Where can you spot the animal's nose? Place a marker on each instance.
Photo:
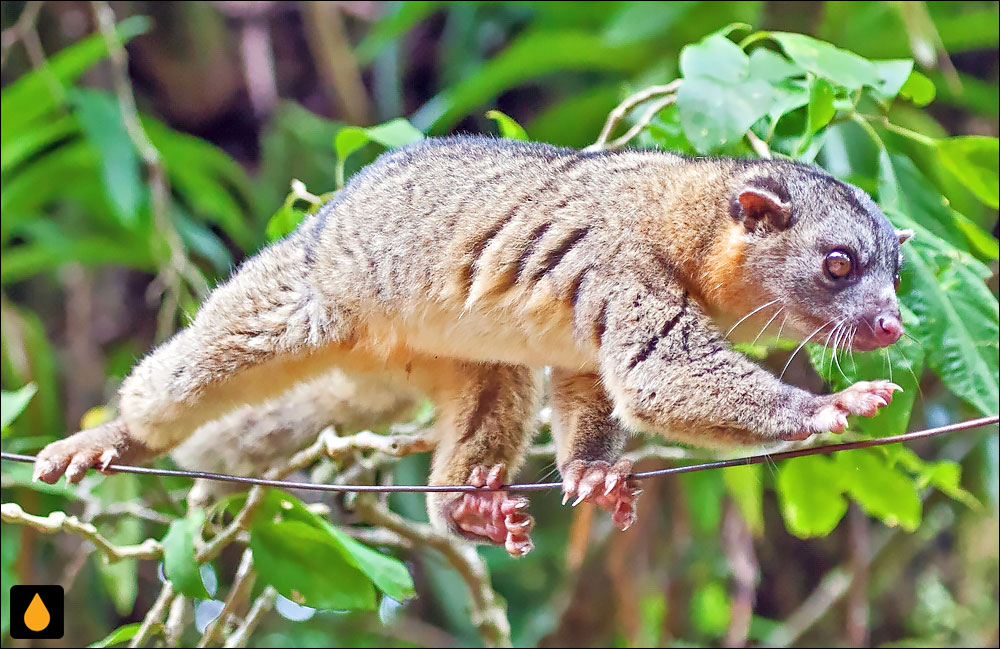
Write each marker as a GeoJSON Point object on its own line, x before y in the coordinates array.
{"type": "Point", "coordinates": [888, 328]}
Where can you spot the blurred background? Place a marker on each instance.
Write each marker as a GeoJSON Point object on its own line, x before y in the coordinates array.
{"type": "Point", "coordinates": [239, 98]}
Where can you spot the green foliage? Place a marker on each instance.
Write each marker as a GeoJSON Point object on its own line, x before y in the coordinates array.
{"type": "Point", "coordinates": [289, 542]}
{"type": "Point", "coordinates": [179, 564]}
{"type": "Point", "coordinates": [847, 97]}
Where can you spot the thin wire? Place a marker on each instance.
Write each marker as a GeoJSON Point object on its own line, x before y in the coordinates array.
{"type": "Point", "coordinates": [540, 486]}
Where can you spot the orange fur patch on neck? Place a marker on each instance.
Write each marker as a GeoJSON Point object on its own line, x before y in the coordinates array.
{"type": "Point", "coordinates": [721, 283]}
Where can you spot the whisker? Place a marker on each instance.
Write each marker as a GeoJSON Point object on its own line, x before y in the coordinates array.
{"type": "Point", "coordinates": [740, 321]}
{"type": "Point", "coordinates": [843, 334]}
{"type": "Point", "coordinates": [782, 327]}
{"type": "Point", "coordinates": [850, 349]}
{"type": "Point", "coordinates": [826, 343]}
{"type": "Point", "coordinates": [888, 362]}
{"type": "Point", "coordinates": [801, 345]}
{"type": "Point", "coordinates": [768, 324]}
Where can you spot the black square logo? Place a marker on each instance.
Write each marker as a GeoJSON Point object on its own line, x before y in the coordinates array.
{"type": "Point", "coordinates": [36, 612]}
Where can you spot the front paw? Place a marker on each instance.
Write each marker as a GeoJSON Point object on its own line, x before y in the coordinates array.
{"type": "Point", "coordinates": [492, 516]}
{"type": "Point", "coordinates": [97, 447]}
{"type": "Point", "coordinates": [604, 484]}
{"type": "Point", "coordinates": [863, 398]}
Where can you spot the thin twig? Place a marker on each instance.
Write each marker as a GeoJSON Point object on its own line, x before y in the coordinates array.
{"type": "Point", "coordinates": [489, 613]}
{"type": "Point", "coordinates": [260, 607]}
{"type": "Point", "coordinates": [179, 266]}
{"type": "Point", "coordinates": [622, 109]}
{"type": "Point", "coordinates": [23, 30]}
{"type": "Point", "coordinates": [154, 616]}
{"type": "Point", "coordinates": [63, 522]}
{"type": "Point", "coordinates": [239, 593]}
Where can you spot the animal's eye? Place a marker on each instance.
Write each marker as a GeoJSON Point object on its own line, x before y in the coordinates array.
{"type": "Point", "coordinates": [838, 264]}
{"type": "Point", "coordinates": [895, 282]}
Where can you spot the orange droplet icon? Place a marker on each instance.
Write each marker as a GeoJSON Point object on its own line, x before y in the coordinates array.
{"type": "Point", "coordinates": [36, 617]}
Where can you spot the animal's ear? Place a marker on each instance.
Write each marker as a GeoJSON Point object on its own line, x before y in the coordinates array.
{"type": "Point", "coordinates": [904, 235]}
{"type": "Point", "coordinates": [763, 203]}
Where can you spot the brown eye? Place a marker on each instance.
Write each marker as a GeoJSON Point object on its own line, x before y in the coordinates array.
{"type": "Point", "coordinates": [838, 264]}
{"type": "Point", "coordinates": [895, 282]}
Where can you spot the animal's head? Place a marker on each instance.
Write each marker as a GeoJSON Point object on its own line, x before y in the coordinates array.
{"type": "Point", "coordinates": [824, 251]}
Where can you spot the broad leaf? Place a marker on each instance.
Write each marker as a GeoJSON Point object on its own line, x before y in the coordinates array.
{"type": "Point", "coordinates": [973, 160]}
{"type": "Point", "coordinates": [179, 555]}
{"type": "Point", "coordinates": [13, 403]}
{"type": "Point", "coordinates": [810, 495]}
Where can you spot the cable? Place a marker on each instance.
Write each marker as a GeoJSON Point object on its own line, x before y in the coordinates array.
{"type": "Point", "coordinates": [540, 486]}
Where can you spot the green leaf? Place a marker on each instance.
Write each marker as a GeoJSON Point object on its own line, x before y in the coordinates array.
{"type": "Point", "coordinates": [392, 134]}
{"type": "Point", "coordinates": [903, 363]}
{"type": "Point", "coordinates": [746, 487]}
{"type": "Point", "coordinates": [120, 578]}
{"type": "Point", "coordinates": [32, 96]}
{"type": "Point", "coordinates": [389, 574]}
{"type": "Point", "coordinates": [532, 54]}
{"type": "Point", "coordinates": [711, 609]}
{"type": "Point", "coordinates": [958, 319]}
{"type": "Point", "coordinates": [821, 109]}
{"type": "Point", "coordinates": [881, 490]}
{"type": "Point", "coordinates": [946, 477]}
{"type": "Point", "coordinates": [825, 60]}
{"type": "Point", "coordinates": [772, 67]}
{"type": "Point", "coordinates": [10, 549]}
{"type": "Point", "coordinates": [703, 492]}
{"type": "Point", "coordinates": [179, 562]}
{"type": "Point", "coordinates": [810, 495]}
{"type": "Point", "coordinates": [102, 124]}
{"type": "Point", "coordinates": [918, 89]}
{"type": "Point", "coordinates": [118, 636]}
{"type": "Point", "coordinates": [902, 187]}
{"type": "Point", "coordinates": [973, 160]}
{"type": "Point", "coordinates": [284, 221]}
{"type": "Point", "coordinates": [638, 21]}
{"type": "Point", "coordinates": [715, 57]}
{"type": "Point", "coordinates": [304, 564]}
{"type": "Point", "coordinates": [715, 113]}
{"type": "Point", "coordinates": [892, 76]}
{"type": "Point", "coordinates": [392, 25]}
{"type": "Point", "coordinates": [509, 128]}
{"type": "Point", "coordinates": [13, 403]}
{"type": "Point", "coordinates": [38, 137]}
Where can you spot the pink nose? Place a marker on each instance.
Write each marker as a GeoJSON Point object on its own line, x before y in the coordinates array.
{"type": "Point", "coordinates": [888, 329]}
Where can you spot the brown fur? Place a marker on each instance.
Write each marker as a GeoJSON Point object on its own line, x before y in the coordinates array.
{"type": "Point", "coordinates": [459, 267]}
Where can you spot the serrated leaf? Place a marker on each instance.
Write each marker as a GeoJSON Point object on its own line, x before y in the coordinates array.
{"type": "Point", "coordinates": [843, 68]}
{"type": "Point", "coordinates": [882, 490]}
{"type": "Point", "coordinates": [13, 403]}
{"type": "Point", "coordinates": [973, 161]}
{"type": "Point", "coordinates": [509, 128]}
{"type": "Point", "coordinates": [958, 319]}
{"type": "Point", "coordinates": [304, 564]}
{"type": "Point", "coordinates": [810, 495]}
{"type": "Point", "coordinates": [179, 555]}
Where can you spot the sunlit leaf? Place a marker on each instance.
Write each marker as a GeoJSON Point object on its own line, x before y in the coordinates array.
{"type": "Point", "coordinates": [810, 495]}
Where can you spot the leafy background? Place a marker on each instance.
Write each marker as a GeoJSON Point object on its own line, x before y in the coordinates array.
{"type": "Point", "coordinates": [891, 546]}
